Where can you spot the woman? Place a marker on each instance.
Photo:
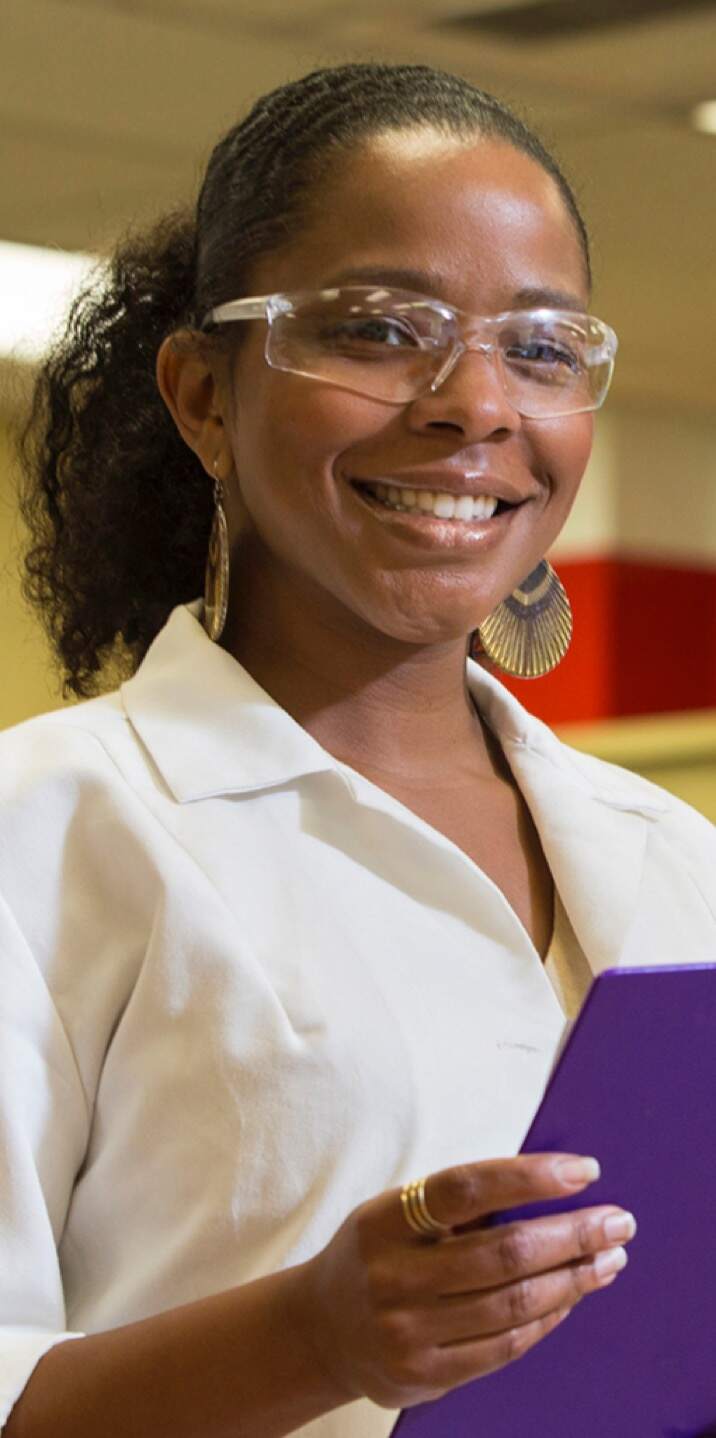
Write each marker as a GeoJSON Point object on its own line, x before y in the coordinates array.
{"type": "Point", "coordinates": [276, 909]}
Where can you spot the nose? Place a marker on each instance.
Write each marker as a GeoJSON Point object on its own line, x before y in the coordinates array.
{"type": "Point", "coordinates": [469, 393]}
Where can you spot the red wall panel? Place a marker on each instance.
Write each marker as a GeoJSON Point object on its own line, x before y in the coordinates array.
{"type": "Point", "coordinates": [644, 642]}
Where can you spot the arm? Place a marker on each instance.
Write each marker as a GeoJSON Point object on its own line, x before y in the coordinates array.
{"type": "Point", "coordinates": [238, 1362]}
{"type": "Point", "coordinates": [235, 1360]}
{"type": "Point", "coordinates": [378, 1313]}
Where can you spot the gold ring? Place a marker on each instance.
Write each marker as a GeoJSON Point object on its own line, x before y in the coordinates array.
{"type": "Point", "coordinates": [417, 1213]}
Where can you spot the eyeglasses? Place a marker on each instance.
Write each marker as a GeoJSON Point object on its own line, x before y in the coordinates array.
{"type": "Point", "coordinates": [394, 345]}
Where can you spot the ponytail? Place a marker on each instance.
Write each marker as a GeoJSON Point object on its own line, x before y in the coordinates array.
{"type": "Point", "coordinates": [118, 506]}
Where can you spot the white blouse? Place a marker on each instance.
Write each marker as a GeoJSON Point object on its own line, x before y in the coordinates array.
{"type": "Point", "coordinates": [242, 989]}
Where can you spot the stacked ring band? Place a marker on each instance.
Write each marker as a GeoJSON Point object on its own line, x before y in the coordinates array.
{"type": "Point", "coordinates": [417, 1213]}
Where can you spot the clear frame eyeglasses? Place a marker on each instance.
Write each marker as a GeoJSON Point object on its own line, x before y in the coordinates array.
{"type": "Point", "coordinates": [394, 345]}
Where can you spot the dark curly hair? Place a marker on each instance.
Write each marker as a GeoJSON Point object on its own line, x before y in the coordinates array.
{"type": "Point", "coordinates": [118, 507]}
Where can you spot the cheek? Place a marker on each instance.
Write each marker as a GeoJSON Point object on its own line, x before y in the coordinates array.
{"type": "Point", "coordinates": [318, 422]}
{"type": "Point", "coordinates": [291, 438]}
{"type": "Point", "coordinates": [562, 448]}
{"type": "Point", "coordinates": [288, 443]}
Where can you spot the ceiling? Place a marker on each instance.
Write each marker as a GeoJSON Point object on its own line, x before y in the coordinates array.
{"type": "Point", "coordinates": [109, 108]}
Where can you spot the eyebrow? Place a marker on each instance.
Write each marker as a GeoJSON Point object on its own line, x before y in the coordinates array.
{"type": "Point", "coordinates": [425, 282]}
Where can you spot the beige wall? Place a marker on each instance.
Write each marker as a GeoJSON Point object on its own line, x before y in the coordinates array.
{"type": "Point", "coordinates": [649, 490]}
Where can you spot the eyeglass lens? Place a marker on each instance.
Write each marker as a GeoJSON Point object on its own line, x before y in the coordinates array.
{"type": "Point", "coordinates": [393, 350]}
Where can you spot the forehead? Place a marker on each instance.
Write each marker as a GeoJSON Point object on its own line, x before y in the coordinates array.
{"type": "Point", "coordinates": [483, 219]}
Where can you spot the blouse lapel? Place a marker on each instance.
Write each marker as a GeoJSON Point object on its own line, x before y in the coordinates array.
{"type": "Point", "coordinates": [593, 821]}
{"type": "Point", "coordinates": [595, 850]}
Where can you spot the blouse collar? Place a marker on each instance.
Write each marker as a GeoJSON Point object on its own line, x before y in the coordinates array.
{"type": "Point", "coordinates": [211, 729]}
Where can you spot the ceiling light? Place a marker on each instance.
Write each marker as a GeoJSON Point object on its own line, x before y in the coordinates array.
{"type": "Point", "coordinates": [703, 117]}
{"type": "Point", "coordinates": [36, 288]}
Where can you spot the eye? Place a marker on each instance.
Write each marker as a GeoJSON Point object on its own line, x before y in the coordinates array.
{"type": "Point", "coordinates": [379, 331]}
{"type": "Point", "coordinates": [544, 352]}
{"type": "Point", "coordinates": [551, 351]}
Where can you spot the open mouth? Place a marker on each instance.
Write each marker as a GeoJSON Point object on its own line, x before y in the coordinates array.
{"type": "Point", "coordinates": [432, 504]}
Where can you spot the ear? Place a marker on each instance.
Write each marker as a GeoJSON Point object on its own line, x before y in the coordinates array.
{"type": "Point", "coordinates": [192, 393]}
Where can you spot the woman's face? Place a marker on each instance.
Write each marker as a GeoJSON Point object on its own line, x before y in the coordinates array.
{"type": "Point", "coordinates": [489, 231]}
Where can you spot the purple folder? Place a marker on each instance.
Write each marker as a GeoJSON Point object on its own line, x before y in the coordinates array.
{"type": "Point", "coordinates": [635, 1086]}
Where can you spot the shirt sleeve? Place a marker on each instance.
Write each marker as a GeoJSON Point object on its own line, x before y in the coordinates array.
{"type": "Point", "coordinates": [44, 1126]}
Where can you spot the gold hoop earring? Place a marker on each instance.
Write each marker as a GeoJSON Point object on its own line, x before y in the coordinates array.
{"type": "Point", "coordinates": [216, 581]}
{"type": "Point", "coordinates": [530, 632]}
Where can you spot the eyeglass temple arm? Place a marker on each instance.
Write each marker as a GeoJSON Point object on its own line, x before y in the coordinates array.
{"type": "Point", "coordinates": [249, 309]}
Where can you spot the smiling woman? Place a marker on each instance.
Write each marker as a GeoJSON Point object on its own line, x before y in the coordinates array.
{"type": "Point", "coordinates": [299, 911]}
{"type": "Point", "coordinates": [282, 170]}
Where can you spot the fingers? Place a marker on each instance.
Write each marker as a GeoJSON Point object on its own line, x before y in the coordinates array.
{"type": "Point", "coordinates": [525, 1302]}
{"type": "Point", "coordinates": [430, 1313]}
{"type": "Point", "coordinates": [467, 1193]}
{"type": "Point", "coordinates": [448, 1367]}
{"type": "Point", "coordinates": [472, 1299]}
{"type": "Point", "coordinates": [508, 1253]}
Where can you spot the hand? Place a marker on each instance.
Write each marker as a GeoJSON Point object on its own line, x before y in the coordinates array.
{"type": "Point", "coordinates": [400, 1319]}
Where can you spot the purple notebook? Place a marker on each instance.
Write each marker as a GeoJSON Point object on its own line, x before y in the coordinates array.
{"type": "Point", "coordinates": [635, 1086]}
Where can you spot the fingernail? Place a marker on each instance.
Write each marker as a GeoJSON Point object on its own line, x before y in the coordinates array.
{"type": "Point", "coordinates": [608, 1263]}
{"type": "Point", "coordinates": [573, 1172]}
{"type": "Point", "coordinates": [619, 1226]}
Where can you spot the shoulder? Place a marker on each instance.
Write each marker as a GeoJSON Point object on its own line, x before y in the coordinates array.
{"type": "Point", "coordinates": [68, 754]}
{"type": "Point", "coordinates": [73, 819]}
{"type": "Point", "coordinates": [83, 864]}
{"type": "Point", "coordinates": [621, 788]}
{"type": "Point", "coordinates": [625, 787]}
{"type": "Point", "coordinates": [681, 840]}
{"type": "Point", "coordinates": [573, 787]}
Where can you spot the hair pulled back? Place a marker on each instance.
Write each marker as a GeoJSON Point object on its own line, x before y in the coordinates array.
{"type": "Point", "coordinates": [118, 507]}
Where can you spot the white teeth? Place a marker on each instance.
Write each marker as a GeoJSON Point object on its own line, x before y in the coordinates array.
{"type": "Point", "coordinates": [464, 507]}
{"type": "Point", "coordinates": [428, 501]}
{"type": "Point", "coordinates": [444, 506]}
{"type": "Point", "coordinates": [483, 507]}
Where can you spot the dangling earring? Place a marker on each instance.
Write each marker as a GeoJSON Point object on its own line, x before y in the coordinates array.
{"type": "Point", "coordinates": [216, 583]}
{"type": "Point", "coordinates": [529, 633]}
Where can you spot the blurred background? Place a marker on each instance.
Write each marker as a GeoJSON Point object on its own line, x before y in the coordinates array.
{"type": "Point", "coordinates": [108, 111]}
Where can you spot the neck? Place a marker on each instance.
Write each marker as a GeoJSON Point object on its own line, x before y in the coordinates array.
{"type": "Point", "coordinates": [384, 707]}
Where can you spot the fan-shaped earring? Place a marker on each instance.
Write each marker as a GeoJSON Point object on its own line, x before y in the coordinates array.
{"type": "Point", "coordinates": [530, 632]}
{"type": "Point", "coordinates": [216, 582]}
